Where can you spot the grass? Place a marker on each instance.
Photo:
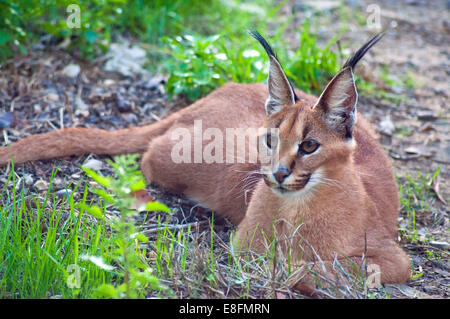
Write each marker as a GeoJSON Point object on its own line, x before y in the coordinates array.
{"type": "Point", "coordinates": [64, 247]}
{"type": "Point", "coordinates": [415, 194]}
{"type": "Point", "coordinates": [63, 238]}
{"type": "Point", "coordinates": [101, 21]}
{"type": "Point", "coordinates": [200, 44]}
{"type": "Point", "coordinates": [41, 236]}
{"type": "Point", "coordinates": [47, 241]}
{"type": "Point", "coordinates": [91, 245]}
{"type": "Point", "coordinates": [201, 64]}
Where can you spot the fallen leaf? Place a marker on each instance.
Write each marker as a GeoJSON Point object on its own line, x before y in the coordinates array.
{"type": "Point", "coordinates": [435, 187]}
{"type": "Point", "coordinates": [281, 295]}
{"type": "Point", "coordinates": [142, 198]}
{"type": "Point", "coordinates": [93, 164]}
{"type": "Point", "coordinates": [41, 185]}
{"type": "Point", "coordinates": [427, 127]}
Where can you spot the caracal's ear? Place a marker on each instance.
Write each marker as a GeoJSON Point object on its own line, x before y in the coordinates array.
{"type": "Point", "coordinates": [337, 103]}
{"type": "Point", "coordinates": [281, 92]}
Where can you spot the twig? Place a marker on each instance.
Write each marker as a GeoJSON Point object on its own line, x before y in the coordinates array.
{"type": "Point", "coordinates": [5, 137]}
{"type": "Point", "coordinates": [67, 106]}
{"type": "Point", "coordinates": [51, 124]}
{"type": "Point", "coordinates": [61, 117]}
{"type": "Point", "coordinates": [171, 227]}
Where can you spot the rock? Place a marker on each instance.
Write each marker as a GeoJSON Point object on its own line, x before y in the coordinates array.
{"type": "Point", "coordinates": [126, 60]}
{"type": "Point", "coordinates": [57, 181]}
{"type": "Point", "coordinates": [386, 126]}
{"type": "Point", "coordinates": [440, 244]}
{"type": "Point", "coordinates": [443, 154]}
{"type": "Point", "coordinates": [28, 179]}
{"type": "Point", "coordinates": [412, 150]}
{"type": "Point", "coordinates": [426, 116]}
{"type": "Point", "coordinates": [81, 108]}
{"type": "Point", "coordinates": [154, 82]}
{"type": "Point", "coordinates": [52, 97]}
{"type": "Point", "coordinates": [71, 70]}
{"type": "Point", "coordinates": [108, 82]}
{"type": "Point", "coordinates": [420, 150]}
{"type": "Point", "coordinates": [93, 164]}
{"type": "Point", "coordinates": [63, 193]}
{"type": "Point", "coordinates": [37, 108]}
{"type": "Point", "coordinates": [394, 289]}
{"type": "Point", "coordinates": [41, 185]}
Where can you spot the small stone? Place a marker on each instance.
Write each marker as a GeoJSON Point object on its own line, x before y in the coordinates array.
{"type": "Point", "coordinates": [94, 184]}
{"type": "Point", "coordinates": [41, 185]}
{"type": "Point", "coordinates": [387, 126]}
{"type": "Point", "coordinates": [109, 82]}
{"type": "Point", "coordinates": [426, 116]}
{"type": "Point", "coordinates": [28, 179]}
{"type": "Point", "coordinates": [52, 97]}
{"type": "Point", "coordinates": [93, 164]}
{"type": "Point", "coordinates": [81, 108]}
{"type": "Point", "coordinates": [125, 59]}
{"type": "Point", "coordinates": [412, 150]}
{"type": "Point", "coordinates": [440, 244]}
{"type": "Point", "coordinates": [37, 108]}
{"type": "Point", "coordinates": [57, 181]}
{"type": "Point", "coordinates": [63, 193]}
{"type": "Point", "coordinates": [71, 70]}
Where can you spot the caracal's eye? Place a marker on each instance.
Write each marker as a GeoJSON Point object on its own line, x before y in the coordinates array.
{"type": "Point", "coordinates": [308, 146]}
{"type": "Point", "coordinates": [271, 141]}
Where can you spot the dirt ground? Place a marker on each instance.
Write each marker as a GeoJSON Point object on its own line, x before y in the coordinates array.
{"type": "Point", "coordinates": [412, 120]}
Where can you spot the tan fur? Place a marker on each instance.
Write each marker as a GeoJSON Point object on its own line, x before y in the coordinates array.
{"type": "Point", "coordinates": [349, 206]}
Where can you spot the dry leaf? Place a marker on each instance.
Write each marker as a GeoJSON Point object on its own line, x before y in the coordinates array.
{"type": "Point", "coordinates": [435, 187]}
{"type": "Point", "coordinates": [142, 197]}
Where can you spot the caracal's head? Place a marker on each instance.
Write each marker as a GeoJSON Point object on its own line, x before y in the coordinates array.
{"type": "Point", "coordinates": [307, 143]}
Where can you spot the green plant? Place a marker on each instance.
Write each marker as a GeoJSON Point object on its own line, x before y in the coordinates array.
{"type": "Point", "coordinates": [41, 240]}
{"type": "Point", "coordinates": [311, 67]}
{"type": "Point", "coordinates": [134, 274]}
{"type": "Point", "coordinates": [12, 20]}
{"type": "Point", "coordinates": [413, 199]}
{"type": "Point", "coordinates": [201, 64]}
{"type": "Point", "coordinates": [22, 22]}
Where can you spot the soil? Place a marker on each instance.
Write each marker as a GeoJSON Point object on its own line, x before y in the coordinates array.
{"type": "Point", "coordinates": [412, 120]}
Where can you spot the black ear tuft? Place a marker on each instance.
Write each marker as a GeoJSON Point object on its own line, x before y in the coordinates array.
{"type": "Point", "coordinates": [281, 92]}
{"type": "Point", "coordinates": [337, 103]}
{"type": "Point", "coordinates": [362, 51]}
{"type": "Point", "coordinates": [263, 42]}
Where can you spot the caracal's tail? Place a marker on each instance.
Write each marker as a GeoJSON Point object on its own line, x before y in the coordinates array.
{"type": "Point", "coordinates": [78, 141]}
